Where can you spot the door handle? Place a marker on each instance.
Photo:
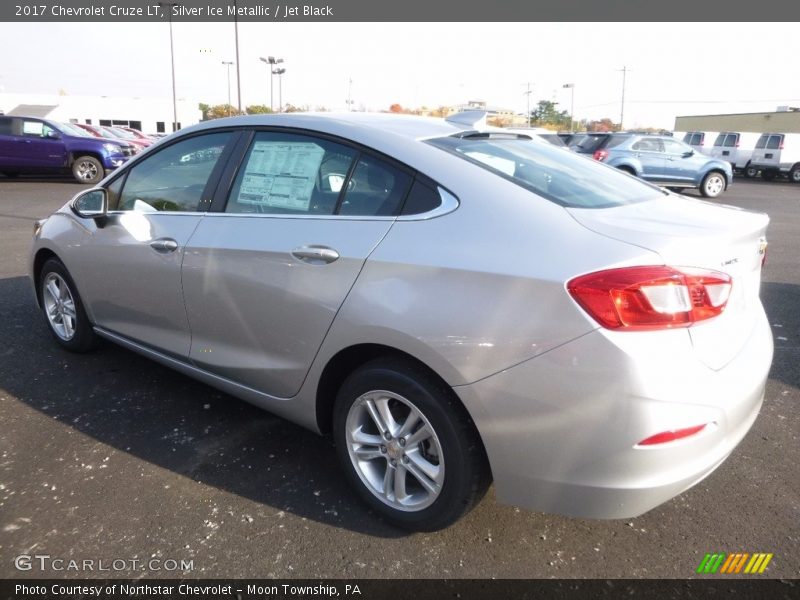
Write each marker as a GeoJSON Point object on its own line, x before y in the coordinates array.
{"type": "Point", "coordinates": [164, 245]}
{"type": "Point", "coordinates": [315, 255]}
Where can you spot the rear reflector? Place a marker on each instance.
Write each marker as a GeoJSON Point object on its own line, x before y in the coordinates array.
{"type": "Point", "coordinates": [670, 436]}
{"type": "Point", "coordinates": [654, 297]}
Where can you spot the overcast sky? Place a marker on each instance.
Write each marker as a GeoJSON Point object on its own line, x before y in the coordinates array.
{"type": "Point", "coordinates": [675, 68]}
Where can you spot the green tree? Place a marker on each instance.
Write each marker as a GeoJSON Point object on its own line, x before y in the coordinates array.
{"type": "Point", "coordinates": [204, 109]}
{"type": "Point", "coordinates": [222, 110]}
{"type": "Point", "coordinates": [258, 109]}
{"type": "Point", "coordinates": [546, 114]}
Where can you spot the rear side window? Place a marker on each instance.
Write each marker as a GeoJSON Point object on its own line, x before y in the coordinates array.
{"type": "Point", "coordinates": [762, 142]}
{"type": "Point", "coordinates": [421, 199]}
{"type": "Point", "coordinates": [647, 145]}
{"type": "Point", "coordinates": [374, 189]}
{"type": "Point", "coordinates": [558, 176]}
{"type": "Point", "coordinates": [5, 126]}
{"type": "Point", "coordinates": [290, 174]}
{"type": "Point", "coordinates": [774, 142]}
{"type": "Point", "coordinates": [174, 178]}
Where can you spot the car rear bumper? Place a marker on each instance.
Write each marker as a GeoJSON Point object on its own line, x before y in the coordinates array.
{"type": "Point", "coordinates": [561, 430]}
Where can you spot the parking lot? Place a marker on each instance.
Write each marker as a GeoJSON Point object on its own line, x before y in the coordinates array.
{"type": "Point", "coordinates": [111, 456]}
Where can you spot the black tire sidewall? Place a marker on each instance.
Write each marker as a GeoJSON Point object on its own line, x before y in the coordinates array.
{"type": "Point", "coordinates": [98, 164]}
{"type": "Point", "coordinates": [436, 404]}
{"type": "Point", "coordinates": [84, 339]}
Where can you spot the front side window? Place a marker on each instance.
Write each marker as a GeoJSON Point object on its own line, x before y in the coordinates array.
{"type": "Point", "coordinates": [730, 141]}
{"type": "Point", "coordinates": [560, 177]}
{"type": "Point", "coordinates": [720, 141]}
{"type": "Point", "coordinates": [774, 142]}
{"type": "Point", "coordinates": [175, 178]}
{"type": "Point", "coordinates": [762, 142]}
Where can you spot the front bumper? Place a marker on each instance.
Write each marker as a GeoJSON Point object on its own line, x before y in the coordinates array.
{"type": "Point", "coordinates": [114, 161]}
{"type": "Point", "coordinates": [561, 430]}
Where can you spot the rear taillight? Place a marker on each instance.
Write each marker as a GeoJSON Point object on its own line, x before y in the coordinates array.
{"type": "Point", "coordinates": [653, 297]}
{"type": "Point", "coordinates": [671, 436]}
{"type": "Point", "coordinates": [600, 155]}
{"type": "Point", "coordinates": [781, 146]}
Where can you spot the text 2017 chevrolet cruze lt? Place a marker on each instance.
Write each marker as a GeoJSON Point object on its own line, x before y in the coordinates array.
{"type": "Point", "coordinates": [454, 304]}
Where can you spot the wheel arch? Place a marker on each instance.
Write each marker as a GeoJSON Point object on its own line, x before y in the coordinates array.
{"type": "Point", "coordinates": [42, 256]}
{"type": "Point", "coordinates": [76, 154]}
{"type": "Point", "coordinates": [347, 360]}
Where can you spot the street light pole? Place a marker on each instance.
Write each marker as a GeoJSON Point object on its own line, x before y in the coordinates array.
{"type": "Point", "coordinates": [279, 73]}
{"type": "Point", "coordinates": [625, 71]}
{"type": "Point", "coordinates": [528, 94]}
{"type": "Point", "coordinates": [350, 95]}
{"type": "Point", "coordinates": [571, 87]}
{"type": "Point", "coordinates": [168, 6]}
{"type": "Point", "coordinates": [271, 61]}
{"type": "Point", "coordinates": [228, 64]}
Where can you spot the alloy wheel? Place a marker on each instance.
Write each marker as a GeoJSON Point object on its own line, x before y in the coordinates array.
{"type": "Point", "coordinates": [59, 306]}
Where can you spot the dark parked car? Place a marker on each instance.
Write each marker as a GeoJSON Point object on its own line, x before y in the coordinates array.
{"type": "Point", "coordinates": [665, 161]}
{"type": "Point", "coordinates": [32, 145]}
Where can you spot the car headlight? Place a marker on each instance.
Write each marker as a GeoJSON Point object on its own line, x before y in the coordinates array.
{"type": "Point", "coordinates": [114, 148]}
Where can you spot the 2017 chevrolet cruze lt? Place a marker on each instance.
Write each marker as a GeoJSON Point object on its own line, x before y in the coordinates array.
{"type": "Point", "coordinates": [454, 303]}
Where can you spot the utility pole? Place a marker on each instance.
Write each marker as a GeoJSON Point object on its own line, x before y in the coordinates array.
{"type": "Point", "coordinates": [528, 94]}
{"type": "Point", "coordinates": [168, 6]}
{"type": "Point", "coordinates": [571, 87]}
{"type": "Point", "coordinates": [625, 70]}
{"type": "Point", "coordinates": [238, 74]}
{"type": "Point", "coordinates": [350, 95]}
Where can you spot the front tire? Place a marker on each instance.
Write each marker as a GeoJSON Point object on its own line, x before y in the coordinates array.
{"type": "Point", "coordinates": [794, 174]}
{"type": "Point", "coordinates": [63, 308]}
{"type": "Point", "coordinates": [713, 184]}
{"type": "Point", "coordinates": [87, 169]}
{"type": "Point", "coordinates": [407, 446]}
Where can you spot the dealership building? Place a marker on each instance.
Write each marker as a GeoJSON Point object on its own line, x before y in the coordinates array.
{"type": "Point", "coordinates": [786, 119]}
{"type": "Point", "coordinates": [150, 115]}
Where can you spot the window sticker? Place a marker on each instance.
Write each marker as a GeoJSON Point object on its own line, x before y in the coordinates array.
{"type": "Point", "coordinates": [281, 174]}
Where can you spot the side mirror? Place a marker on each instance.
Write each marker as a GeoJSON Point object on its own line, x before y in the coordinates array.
{"type": "Point", "coordinates": [91, 204]}
{"type": "Point", "coordinates": [688, 153]}
{"type": "Point", "coordinates": [52, 135]}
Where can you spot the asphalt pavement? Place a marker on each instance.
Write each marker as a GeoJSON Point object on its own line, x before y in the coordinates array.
{"type": "Point", "coordinates": [109, 456]}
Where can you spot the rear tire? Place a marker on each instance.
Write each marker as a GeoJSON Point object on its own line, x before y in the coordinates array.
{"type": "Point", "coordinates": [63, 308]}
{"type": "Point", "coordinates": [628, 170]}
{"type": "Point", "coordinates": [87, 169]}
{"type": "Point", "coordinates": [794, 174]}
{"type": "Point", "coordinates": [420, 462]}
{"type": "Point", "coordinates": [713, 184]}
{"type": "Point", "coordinates": [750, 172]}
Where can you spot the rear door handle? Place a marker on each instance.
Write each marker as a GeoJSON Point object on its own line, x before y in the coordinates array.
{"type": "Point", "coordinates": [164, 245]}
{"type": "Point", "coordinates": [315, 255]}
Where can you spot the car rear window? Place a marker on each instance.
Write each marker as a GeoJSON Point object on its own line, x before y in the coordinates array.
{"type": "Point", "coordinates": [556, 175]}
{"type": "Point", "coordinates": [720, 140]}
{"type": "Point", "coordinates": [731, 140]}
{"type": "Point", "coordinates": [588, 143]}
{"type": "Point", "coordinates": [762, 141]}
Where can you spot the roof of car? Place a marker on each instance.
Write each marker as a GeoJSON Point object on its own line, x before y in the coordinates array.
{"type": "Point", "coordinates": [343, 123]}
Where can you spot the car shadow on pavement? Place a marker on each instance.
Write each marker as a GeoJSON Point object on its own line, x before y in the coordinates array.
{"type": "Point", "coordinates": [781, 302]}
{"type": "Point", "coordinates": [157, 415]}
{"type": "Point", "coordinates": [40, 178]}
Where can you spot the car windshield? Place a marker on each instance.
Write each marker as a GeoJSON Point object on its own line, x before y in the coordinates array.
{"type": "Point", "coordinates": [123, 134]}
{"type": "Point", "coordinates": [556, 175]}
{"type": "Point", "coordinates": [71, 129]}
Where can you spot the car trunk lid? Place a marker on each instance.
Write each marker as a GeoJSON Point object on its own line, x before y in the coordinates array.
{"type": "Point", "coordinates": [694, 233]}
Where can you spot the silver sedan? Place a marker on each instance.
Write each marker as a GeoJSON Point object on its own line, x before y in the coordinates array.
{"type": "Point", "coordinates": [453, 303]}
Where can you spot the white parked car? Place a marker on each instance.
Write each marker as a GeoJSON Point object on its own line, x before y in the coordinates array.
{"type": "Point", "coordinates": [700, 141]}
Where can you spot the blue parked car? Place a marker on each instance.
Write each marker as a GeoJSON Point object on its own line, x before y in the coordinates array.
{"type": "Point", "coordinates": [32, 145]}
{"type": "Point", "coordinates": [667, 162]}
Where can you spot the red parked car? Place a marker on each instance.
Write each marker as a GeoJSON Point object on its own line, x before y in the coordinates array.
{"type": "Point", "coordinates": [108, 133]}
